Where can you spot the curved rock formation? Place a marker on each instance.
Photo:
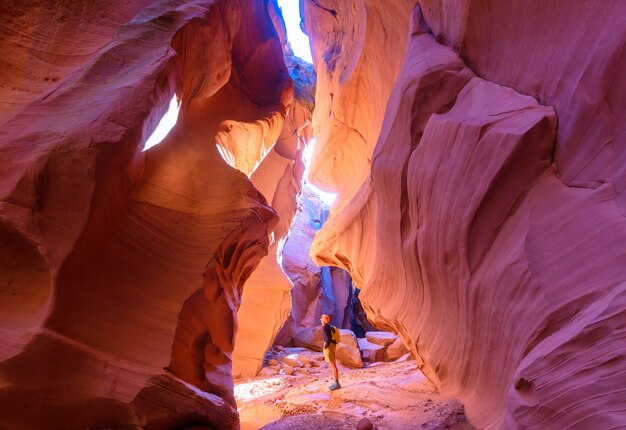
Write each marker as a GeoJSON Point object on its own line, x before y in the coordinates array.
{"type": "Point", "coordinates": [492, 241]}
{"type": "Point", "coordinates": [103, 246]}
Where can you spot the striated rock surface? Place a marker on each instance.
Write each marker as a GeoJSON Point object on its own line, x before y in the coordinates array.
{"type": "Point", "coordinates": [342, 294]}
{"type": "Point", "coordinates": [117, 263]}
{"type": "Point", "coordinates": [492, 241]}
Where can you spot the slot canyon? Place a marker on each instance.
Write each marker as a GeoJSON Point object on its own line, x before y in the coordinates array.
{"type": "Point", "coordinates": [473, 258]}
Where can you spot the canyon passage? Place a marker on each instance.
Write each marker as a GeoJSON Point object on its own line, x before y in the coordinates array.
{"type": "Point", "coordinates": [184, 191]}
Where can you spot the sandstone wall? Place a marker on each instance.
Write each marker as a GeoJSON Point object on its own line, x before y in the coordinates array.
{"type": "Point", "coordinates": [106, 317]}
{"type": "Point", "coordinates": [492, 240]}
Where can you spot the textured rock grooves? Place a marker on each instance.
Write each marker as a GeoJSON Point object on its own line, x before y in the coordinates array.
{"type": "Point", "coordinates": [501, 265]}
{"type": "Point", "coordinates": [103, 245]}
{"type": "Point", "coordinates": [491, 240]}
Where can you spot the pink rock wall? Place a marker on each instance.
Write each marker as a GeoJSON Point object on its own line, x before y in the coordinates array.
{"type": "Point", "coordinates": [121, 270]}
{"type": "Point", "coordinates": [490, 239]}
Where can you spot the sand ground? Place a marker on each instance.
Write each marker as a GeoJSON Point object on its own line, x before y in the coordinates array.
{"type": "Point", "coordinates": [393, 396]}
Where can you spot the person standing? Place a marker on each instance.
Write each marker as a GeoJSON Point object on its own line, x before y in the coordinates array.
{"type": "Point", "coordinates": [331, 334]}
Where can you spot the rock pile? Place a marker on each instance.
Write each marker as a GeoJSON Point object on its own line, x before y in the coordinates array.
{"type": "Point", "coordinates": [380, 346]}
{"type": "Point", "coordinates": [293, 362]}
{"type": "Point", "coordinates": [377, 346]}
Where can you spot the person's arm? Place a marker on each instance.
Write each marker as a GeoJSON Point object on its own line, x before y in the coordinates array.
{"type": "Point", "coordinates": [327, 335]}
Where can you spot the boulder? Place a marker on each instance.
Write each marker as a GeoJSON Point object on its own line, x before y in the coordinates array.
{"type": "Point", "coordinates": [383, 338]}
{"type": "Point", "coordinates": [396, 350]}
{"type": "Point", "coordinates": [406, 357]}
{"type": "Point", "coordinates": [372, 352]}
{"type": "Point", "coordinates": [310, 338]}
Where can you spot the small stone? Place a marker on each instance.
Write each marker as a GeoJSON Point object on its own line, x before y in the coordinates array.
{"type": "Point", "coordinates": [364, 424]}
{"type": "Point", "coordinates": [266, 371]}
{"type": "Point", "coordinates": [272, 361]}
{"type": "Point", "coordinates": [291, 360]}
{"type": "Point", "coordinates": [288, 370]}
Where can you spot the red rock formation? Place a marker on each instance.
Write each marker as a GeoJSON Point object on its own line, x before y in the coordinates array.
{"type": "Point", "coordinates": [490, 240]}
{"type": "Point", "coordinates": [103, 246]}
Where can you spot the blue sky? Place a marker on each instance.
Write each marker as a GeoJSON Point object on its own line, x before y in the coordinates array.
{"type": "Point", "coordinates": [298, 40]}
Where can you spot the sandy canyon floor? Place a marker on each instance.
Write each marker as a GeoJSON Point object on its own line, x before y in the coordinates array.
{"type": "Point", "coordinates": [391, 395]}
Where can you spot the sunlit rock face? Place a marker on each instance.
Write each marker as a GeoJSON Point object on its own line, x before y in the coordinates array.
{"type": "Point", "coordinates": [491, 240]}
{"type": "Point", "coordinates": [266, 299]}
{"type": "Point", "coordinates": [357, 49]}
{"type": "Point", "coordinates": [121, 271]}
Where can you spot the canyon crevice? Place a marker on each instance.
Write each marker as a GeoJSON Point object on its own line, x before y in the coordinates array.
{"type": "Point", "coordinates": [478, 150]}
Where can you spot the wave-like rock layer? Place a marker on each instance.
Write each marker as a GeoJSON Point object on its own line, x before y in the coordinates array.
{"type": "Point", "coordinates": [121, 271]}
{"type": "Point", "coordinates": [490, 238]}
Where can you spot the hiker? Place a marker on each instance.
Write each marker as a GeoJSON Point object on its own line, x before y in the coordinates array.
{"type": "Point", "coordinates": [331, 338]}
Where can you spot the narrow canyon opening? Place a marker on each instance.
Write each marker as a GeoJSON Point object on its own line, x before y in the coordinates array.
{"type": "Point", "coordinates": [188, 186]}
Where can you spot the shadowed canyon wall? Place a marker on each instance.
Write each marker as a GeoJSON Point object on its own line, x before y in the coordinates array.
{"type": "Point", "coordinates": [492, 240]}
{"type": "Point", "coordinates": [121, 270]}
{"type": "Point", "coordinates": [316, 290]}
